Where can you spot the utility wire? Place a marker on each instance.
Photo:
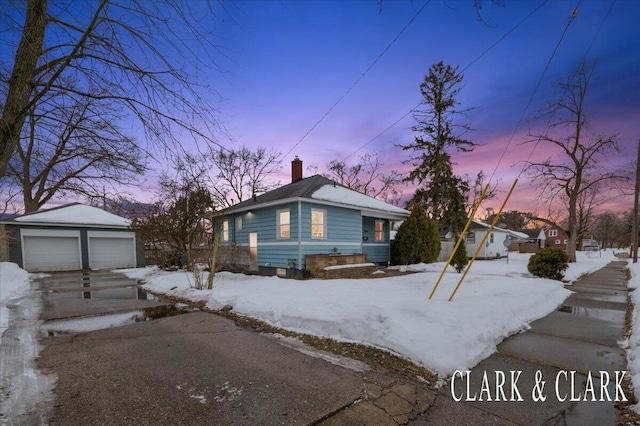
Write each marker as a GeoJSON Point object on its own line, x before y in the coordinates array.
{"type": "Point", "coordinates": [464, 69]}
{"type": "Point", "coordinates": [535, 90]}
{"type": "Point", "coordinates": [386, 49]}
{"type": "Point", "coordinates": [582, 62]}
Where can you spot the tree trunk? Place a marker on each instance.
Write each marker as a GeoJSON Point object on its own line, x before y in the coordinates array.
{"type": "Point", "coordinates": [20, 82]}
{"type": "Point", "coordinates": [573, 230]}
{"type": "Point", "coordinates": [214, 258]}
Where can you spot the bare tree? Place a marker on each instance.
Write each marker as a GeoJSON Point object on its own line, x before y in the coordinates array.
{"type": "Point", "coordinates": [72, 145]}
{"type": "Point", "coordinates": [366, 176]}
{"type": "Point", "coordinates": [578, 168]}
{"type": "Point", "coordinates": [131, 52]}
{"type": "Point", "coordinates": [179, 220]}
{"type": "Point", "coordinates": [242, 173]}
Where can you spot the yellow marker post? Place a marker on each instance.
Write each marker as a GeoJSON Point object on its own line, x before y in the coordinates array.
{"type": "Point", "coordinates": [460, 238]}
{"type": "Point", "coordinates": [484, 239]}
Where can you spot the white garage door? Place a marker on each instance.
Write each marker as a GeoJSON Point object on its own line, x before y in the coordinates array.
{"type": "Point", "coordinates": [50, 250]}
{"type": "Point", "coordinates": [111, 249]}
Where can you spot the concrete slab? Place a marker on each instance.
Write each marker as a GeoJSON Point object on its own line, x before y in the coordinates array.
{"type": "Point", "coordinates": [189, 369]}
{"type": "Point", "coordinates": [619, 292]}
{"type": "Point", "coordinates": [601, 297]}
{"type": "Point", "coordinates": [585, 328]}
{"type": "Point", "coordinates": [593, 303]}
{"type": "Point", "coordinates": [608, 315]}
{"type": "Point", "coordinates": [567, 354]}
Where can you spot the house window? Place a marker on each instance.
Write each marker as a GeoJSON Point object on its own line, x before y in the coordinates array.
{"type": "Point", "coordinates": [491, 238]}
{"type": "Point", "coordinates": [379, 230]}
{"type": "Point", "coordinates": [557, 242]}
{"type": "Point", "coordinates": [565, 242]}
{"type": "Point", "coordinates": [284, 224]}
{"type": "Point", "coordinates": [471, 237]}
{"type": "Point", "coordinates": [553, 233]}
{"type": "Point", "coordinates": [318, 223]}
{"type": "Point", "coordinates": [225, 230]}
{"type": "Point", "coordinates": [239, 223]}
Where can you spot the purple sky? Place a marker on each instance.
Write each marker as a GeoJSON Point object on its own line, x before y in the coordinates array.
{"type": "Point", "coordinates": [288, 62]}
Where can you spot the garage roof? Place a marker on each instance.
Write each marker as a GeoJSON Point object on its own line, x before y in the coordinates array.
{"type": "Point", "coordinates": [73, 214]}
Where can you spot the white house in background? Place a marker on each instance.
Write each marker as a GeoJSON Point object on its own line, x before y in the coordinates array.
{"type": "Point", "coordinates": [495, 245]}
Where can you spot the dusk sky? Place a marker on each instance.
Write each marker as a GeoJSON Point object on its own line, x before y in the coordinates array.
{"type": "Point", "coordinates": [288, 62]}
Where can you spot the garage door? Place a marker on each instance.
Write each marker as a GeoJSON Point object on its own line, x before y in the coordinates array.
{"type": "Point", "coordinates": [111, 250]}
{"type": "Point", "coordinates": [51, 250]}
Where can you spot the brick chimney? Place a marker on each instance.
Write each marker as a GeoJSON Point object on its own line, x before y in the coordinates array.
{"type": "Point", "coordinates": [296, 170]}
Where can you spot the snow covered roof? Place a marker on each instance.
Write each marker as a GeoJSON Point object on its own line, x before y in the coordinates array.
{"type": "Point", "coordinates": [324, 190]}
{"type": "Point", "coordinates": [481, 225]}
{"type": "Point", "coordinates": [74, 214]}
{"type": "Point", "coordinates": [342, 195]}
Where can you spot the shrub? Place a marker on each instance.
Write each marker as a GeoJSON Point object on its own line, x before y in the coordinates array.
{"type": "Point", "coordinates": [550, 262]}
{"type": "Point", "coordinates": [460, 258]}
{"type": "Point", "coordinates": [417, 239]}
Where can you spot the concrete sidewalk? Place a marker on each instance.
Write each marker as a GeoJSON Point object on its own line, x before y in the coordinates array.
{"type": "Point", "coordinates": [570, 358]}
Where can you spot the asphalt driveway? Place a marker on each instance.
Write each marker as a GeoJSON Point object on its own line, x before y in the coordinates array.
{"type": "Point", "coordinates": [195, 367]}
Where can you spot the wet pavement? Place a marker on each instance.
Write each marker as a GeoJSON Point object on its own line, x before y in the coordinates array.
{"type": "Point", "coordinates": [563, 371]}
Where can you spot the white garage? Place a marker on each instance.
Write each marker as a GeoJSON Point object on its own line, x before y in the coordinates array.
{"type": "Point", "coordinates": [51, 250]}
{"type": "Point", "coordinates": [111, 249]}
{"type": "Point", "coordinates": [72, 237]}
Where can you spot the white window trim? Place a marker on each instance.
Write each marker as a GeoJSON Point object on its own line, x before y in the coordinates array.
{"type": "Point", "coordinates": [553, 232]}
{"type": "Point", "coordinates": [324, 224]}
{"type": "Point", "coordinates": [557, 242]}
{"type": "Point", "coordinates": [278, 224]}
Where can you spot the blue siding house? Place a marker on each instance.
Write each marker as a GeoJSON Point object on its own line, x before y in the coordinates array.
{"type": "Point", "coordinates": [313, 215]}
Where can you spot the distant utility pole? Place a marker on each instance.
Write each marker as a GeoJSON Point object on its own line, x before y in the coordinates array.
{"type": "Point", "coordinates": [634, 228]}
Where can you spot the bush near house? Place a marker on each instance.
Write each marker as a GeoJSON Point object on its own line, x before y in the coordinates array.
{"type": "Point", "coordinates": [417, 240]}
{"type": "Point", "coordinates": [550, 262]}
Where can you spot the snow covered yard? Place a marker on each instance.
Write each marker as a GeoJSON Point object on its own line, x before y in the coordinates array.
{"type": "Point", "coordinates": [498, 298]}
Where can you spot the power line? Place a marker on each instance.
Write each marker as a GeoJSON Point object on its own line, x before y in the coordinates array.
{"type": "Point", "coordinates": [535, 90]}
{"type": "Point", "coordinates": [358, 79]}
{"type": "Point", "coordinates": [582, 62]}
{"type": "Point", "coordinates": [464, 69]}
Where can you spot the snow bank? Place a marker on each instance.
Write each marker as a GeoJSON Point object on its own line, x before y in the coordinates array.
{"type": "Point", "coordinates": [14, 283]}
{"type": "Point", "coordinates": [633, 344]}
{"type": "Point", "coordinates": [496, 300]}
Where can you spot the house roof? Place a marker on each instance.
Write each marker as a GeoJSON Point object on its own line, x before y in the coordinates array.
{"type": "Point", "coordinates": [532, 233]}
{"type": "Point", "coordinates": [72, 214]}
{"type": "Point", "coordinates": [476, 224]}
{"type": "Point", "coordinates": [325, 191]}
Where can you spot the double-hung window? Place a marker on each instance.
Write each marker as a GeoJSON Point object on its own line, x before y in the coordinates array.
{"type": "Point", "coordinates": [318, 223]}
{"type": "Point", "coordinates": [284, 224]}
{"type": "Point", "coordinates": [225, 230]}
{"type": "Point", "coordinates": [379, 230]}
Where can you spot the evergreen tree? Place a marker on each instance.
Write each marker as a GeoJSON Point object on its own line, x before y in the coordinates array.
{"type": "Point", "coordinates": [441, 192]}
{"type": "Point", "coordinates": [460, 258]}
{"type": "Point", "coordinates": [417, 239]}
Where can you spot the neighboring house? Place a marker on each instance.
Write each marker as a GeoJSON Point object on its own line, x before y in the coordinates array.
{"type": "Point", "coordinates": [555, 237]}
{"type": "Point", "coordinates": [314, 215]}
{"type": "Point", "coordinates": [72, 237]}
{"type": "Point", "coordinates": [494, 246]}
{"type": "Point", "coordinates": [531, 241]}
